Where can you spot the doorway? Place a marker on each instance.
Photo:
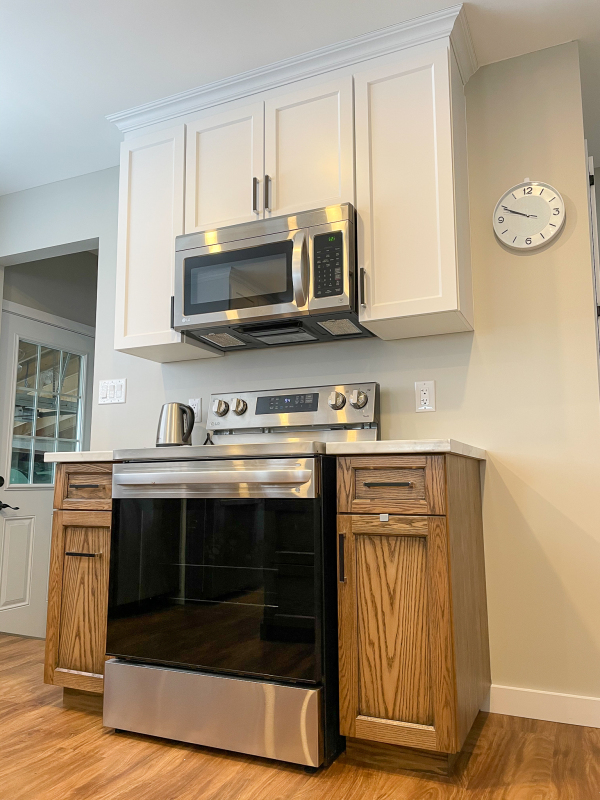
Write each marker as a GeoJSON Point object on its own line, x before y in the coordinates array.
{"type": "Point", "coordinates": [46, 369]}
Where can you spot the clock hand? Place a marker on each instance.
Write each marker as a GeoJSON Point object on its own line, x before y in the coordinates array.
{"type": "Point", "coordinates": [520, 213]}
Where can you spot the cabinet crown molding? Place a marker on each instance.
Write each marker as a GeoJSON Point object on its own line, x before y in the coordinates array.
{"type": "Point", "coordinates": [449, 22]}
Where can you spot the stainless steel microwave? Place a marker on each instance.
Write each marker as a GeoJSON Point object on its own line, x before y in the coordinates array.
{"type": "Point", "coordinates": [284, 280]}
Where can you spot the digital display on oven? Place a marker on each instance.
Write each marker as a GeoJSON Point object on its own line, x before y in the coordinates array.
{"type": "Point", "coordinates": [287, 403]}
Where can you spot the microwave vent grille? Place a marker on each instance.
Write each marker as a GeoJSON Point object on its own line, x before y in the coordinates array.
{"type": "Point", "coordinates": [223, 340]}
{"type": "Point", "coordinates": [340, 327]}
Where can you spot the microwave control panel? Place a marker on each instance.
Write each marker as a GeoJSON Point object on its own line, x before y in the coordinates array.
{"type": "Point", "coordinates": [328, 261]}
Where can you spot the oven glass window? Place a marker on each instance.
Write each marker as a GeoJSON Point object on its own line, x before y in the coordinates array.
{"type": "Point", "coordinates": [246, 278]}
{"type": "Point", "coordinates": [226, 585]}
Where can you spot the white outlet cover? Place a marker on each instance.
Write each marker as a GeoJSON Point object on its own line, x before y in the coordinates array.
{"type": "Point", "coordinates": [425, 395]}
{"type": "Point", "coordinates": [196, 404]}
{"type": "Point", "coordinates": [113, 391]}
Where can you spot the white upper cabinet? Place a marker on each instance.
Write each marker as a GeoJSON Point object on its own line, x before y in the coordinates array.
{"type": "Point", "coordinates": [224, 168]}
{"type": "Point", "coordinates": [410, 158]}
{"type": "Point", "coordinates": [150, 217]}
{"type": "Point", "coordinates": [309, 147]}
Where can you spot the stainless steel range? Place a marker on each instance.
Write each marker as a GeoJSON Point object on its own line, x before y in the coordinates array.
{"type": "Point", "coordinates": [222, 611]}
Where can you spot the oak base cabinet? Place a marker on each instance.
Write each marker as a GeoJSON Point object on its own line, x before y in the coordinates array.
{"type": "Point", "coordinates": [413, 642]}
{"type": "Point", "coordinates": [78, 582]}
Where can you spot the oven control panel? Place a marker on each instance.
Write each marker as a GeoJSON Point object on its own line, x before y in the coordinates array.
{"type": "Point", "coordinates": [334, 406]}
{"type": "Point", "coordinates": [328, 260]}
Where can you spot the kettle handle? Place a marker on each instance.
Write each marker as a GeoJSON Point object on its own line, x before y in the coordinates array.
{"type": "Point", "coordinates": [190, 418]}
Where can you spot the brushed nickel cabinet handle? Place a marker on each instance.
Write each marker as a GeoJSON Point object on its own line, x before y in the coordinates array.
{"type": "Point", "coordinates": [342, 569]}
{"type": "Point", "coordinates": [363, 291]}
{"type": "Point", "coordinates": [369, 484]}
{"type": "Point", "coordinates": [84, 485]}
{"type": "Point", "coordinates": [83, 555]}
{"type": "Point", "coordinates": [255, 195]}
{"type": "Point", "coordinates": [267, 192]}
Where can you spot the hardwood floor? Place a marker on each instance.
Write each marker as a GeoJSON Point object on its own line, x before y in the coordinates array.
{"type": "Point", "coordinates": [49, 752]}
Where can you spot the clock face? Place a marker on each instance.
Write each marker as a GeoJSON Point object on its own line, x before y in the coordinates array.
{"type": "Point", "coordinates": [529, 215]}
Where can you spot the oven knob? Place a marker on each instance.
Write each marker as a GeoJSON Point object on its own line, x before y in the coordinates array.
{"type": "Point", "coordinates": [239, 406]}
{"type": "Point", "coordinates": [337, 401]}
{"type": "Point", "coordinates": [358, 399]}
{"type": "Point", "coordinates": [220, 407]}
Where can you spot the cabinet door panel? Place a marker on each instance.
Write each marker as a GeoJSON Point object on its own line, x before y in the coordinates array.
{"type": "Point", "coordinates": [224, 155]}
{"type": "Point", "coordinates": [309, 147]}
{"type": "Point", "coordinates": [405, 195]}
{"type": "Point", "coordinates": [396, 658]}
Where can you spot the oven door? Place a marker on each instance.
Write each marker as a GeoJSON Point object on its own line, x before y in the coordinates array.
{"type": "Point", "coordinates": [266, 277]}
{"type": "Point", "coordinates": [217, 566]}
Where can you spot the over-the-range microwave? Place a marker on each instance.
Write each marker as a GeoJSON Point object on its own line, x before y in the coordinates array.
{"type": "Point", "coordinates": [284, 280]}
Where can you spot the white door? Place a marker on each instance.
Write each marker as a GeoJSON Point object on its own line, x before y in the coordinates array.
{"type": "Point", "coordinates": [45, 403]}
{"type": "Point", "coordinates": [405, 199]}
{"type": "Point", "coordinates": [309, 148]}
{"type": "Point", "coordinates": [224, 168]}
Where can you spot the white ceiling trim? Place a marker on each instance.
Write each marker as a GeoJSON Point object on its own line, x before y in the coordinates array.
{"type": "Point", "coordinates": [450, 22]}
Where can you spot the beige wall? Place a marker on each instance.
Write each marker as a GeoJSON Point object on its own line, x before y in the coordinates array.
{"type": "Point", "coordinates": [524, 385]}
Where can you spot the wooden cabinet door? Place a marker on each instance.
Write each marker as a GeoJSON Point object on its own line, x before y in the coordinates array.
{"type": "Point", "coordinates": [151, 203]}
{"type": "Point", "coordinates": [395, 636]}
{"type": "Point", "coordinates": [405, 194]}
{"type": "Point", "coordinates": [78, 599]}
{"type": "Point", "coordinates": [224, 168]}
{"type": "Point", "coordinates": [309, 147]}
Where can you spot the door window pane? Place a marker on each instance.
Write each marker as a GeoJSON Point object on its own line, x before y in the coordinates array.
{"type": "Point", "coordinates": [20, 464]}
{"type": "Point", "coordinates": [47, 411]}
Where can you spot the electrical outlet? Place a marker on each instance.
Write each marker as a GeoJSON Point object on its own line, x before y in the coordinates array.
{"type": "Point", "coordinates": [196, 404]}
{"type": "Point", "coordinates": [425, 395]}
{"type": "Point", "coordinates": [113, 391]}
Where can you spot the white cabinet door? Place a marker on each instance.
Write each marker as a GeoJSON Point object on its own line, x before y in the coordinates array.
{"type": "Point", "coordinates": [309, 148]}
{"type": "Point", "coordinates": [150, 217]}
{"type": "Point", "coordinates": [224, 168]}
{"type": "Point", "coordinates": [405, 159]}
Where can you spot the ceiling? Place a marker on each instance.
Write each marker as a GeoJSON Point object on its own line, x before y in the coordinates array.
{"type": "Point", "coordinates": [65, 65]}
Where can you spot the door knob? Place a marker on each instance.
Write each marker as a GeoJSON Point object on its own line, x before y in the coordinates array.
{"type": "Point", "coordinates": [1, 481]}
{"type": "Point", "coordinates": [5, 505]}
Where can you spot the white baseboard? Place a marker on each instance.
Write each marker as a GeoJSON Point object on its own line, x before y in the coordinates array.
{"type": "Point", "coordinates": [572, 709]}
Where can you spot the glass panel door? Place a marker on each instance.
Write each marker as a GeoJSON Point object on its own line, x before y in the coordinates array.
{"type": "Point", "coordinates": [234, 279]}
{"type": "Point", "coordinates": [227, 585]}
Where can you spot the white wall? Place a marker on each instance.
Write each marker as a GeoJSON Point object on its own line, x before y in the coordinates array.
{"type": "Point", "coordinates": [64, 286]}
{"type": "Point", "coordinates": [524, 385]}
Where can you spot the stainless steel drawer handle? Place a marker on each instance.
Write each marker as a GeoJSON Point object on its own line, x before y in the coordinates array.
{"type": "Point", "coordinates": [84, 486]}
{"type": "Point", "coordinates": [82, 555]}
{"type": "Point", "coordinates": [216, 478]}
{"type": "Point", "coordinates": [370, 484]}
{"type": "Point", "coordinates": [255, 195]}
{"type": "Point", "coordinates": [267, 193]}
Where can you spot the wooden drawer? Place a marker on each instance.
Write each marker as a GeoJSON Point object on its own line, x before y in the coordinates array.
{"type": "Point", "coordinates": [83, 487]}
{"type": "Point", "coordinates": [411, 484]}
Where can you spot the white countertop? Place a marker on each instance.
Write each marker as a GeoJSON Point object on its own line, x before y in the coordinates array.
{"type": "Point", "coordinates": [386, 446]}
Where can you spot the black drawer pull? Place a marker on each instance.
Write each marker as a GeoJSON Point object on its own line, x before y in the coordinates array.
{"type": "Point", "coordinates": [369, 484]}
{"type": "Point", "coordinates": [82, 555]}
{"type": "Point", "coordinates": [84, 486]}
{"type": "Point", "coordinates": [342, 571]}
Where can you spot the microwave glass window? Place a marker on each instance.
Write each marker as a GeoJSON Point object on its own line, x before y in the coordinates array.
{"type": "Point", "coordinates": [246, 278]}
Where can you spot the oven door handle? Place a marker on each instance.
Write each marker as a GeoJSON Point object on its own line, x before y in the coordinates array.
{"type": "Point", "coordinates": [300, 269]}
{"type": "Point", "coordinates": [275, 477]}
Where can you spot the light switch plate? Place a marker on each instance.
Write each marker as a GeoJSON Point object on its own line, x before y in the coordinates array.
{"type": "Point", "coordinates": [113, 391]}
{"type": "Point", "coordinates": [425, 395]}
{"type": "Point", "coordinates": [196, 404]}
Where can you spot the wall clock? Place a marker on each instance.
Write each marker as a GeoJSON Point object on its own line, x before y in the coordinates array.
{"type": "Point", "coordinates": [529, 215]}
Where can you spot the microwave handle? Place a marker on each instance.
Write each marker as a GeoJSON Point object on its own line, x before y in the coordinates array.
{"type": "Point", "coordinates": [300, 269]}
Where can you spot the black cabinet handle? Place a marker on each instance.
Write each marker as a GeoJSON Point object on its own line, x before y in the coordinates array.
{"type": "Point", "coordinates": [341, 539]}
{"type": "Point", "coordinates": [85, 486]}
{"type": "Point", "coordinates": [82, 555]}
{"type": "Point", "coordinates": [369, 484]}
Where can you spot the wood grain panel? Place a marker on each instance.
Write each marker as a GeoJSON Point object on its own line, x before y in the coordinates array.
{"type": "Point", "coordinates": [394, 526]}
{"type": "Point", "coordinates": [366, 480]}
{"type": "Point", "coordinates": [435, 485]}
{"type": "Point", "coordinates": [85, 600]}
{"type": "Point", "coordinates": [78, 680]}
{"type": "Point", "coordinates": [391, 758]}
{"type": "Point", "coordinates": [393, 732]}
{"type": "Point", "coordinates": [57, 551]}
{"type": "Point", "coordinates": [68, 496]}
{"type": "Point", "coordinates": [347, 631]}
{"type": "Point", "coordinates": [394, 679]}
{"type": "Point", "coordinates": [469, 605]}
{"type": "Point", "coordinates": [440, 631]}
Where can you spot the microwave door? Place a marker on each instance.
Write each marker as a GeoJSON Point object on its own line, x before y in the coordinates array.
{"type": "Point", "coordinates": [246, 281]}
